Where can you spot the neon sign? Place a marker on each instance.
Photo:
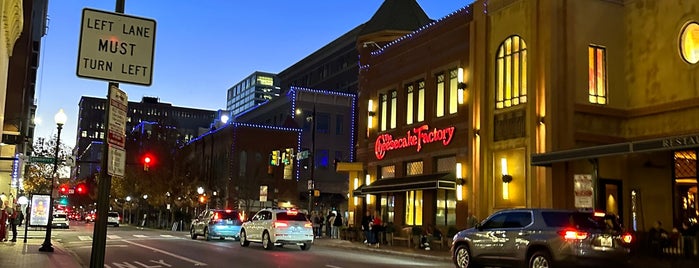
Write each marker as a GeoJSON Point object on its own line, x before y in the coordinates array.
{"type": "Point", "coordinates": [417, 137]}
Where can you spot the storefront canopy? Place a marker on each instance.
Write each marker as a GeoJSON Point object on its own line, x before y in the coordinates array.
{"type": "Point", "coordinates": [421, 182]}
{"type": "Point", "coordinates": [664, 144]}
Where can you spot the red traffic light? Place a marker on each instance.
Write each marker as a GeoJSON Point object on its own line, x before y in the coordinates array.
{"type": "Point", "coordinates": [80, 189]}
{"type": "Point", "coordinates": [148, 159]}
{"type": "Point", "coordinates": [63, 189]}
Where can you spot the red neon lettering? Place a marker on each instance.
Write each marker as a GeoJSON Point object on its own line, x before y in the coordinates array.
{"type": "Point", "coordinates": [417, 137]}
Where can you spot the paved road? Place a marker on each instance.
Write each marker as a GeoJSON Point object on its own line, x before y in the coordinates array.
{"type": "Point", "coordinates": [134, 247]}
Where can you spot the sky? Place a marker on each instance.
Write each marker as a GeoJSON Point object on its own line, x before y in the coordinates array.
{"type": "Point", "coordinates": [202, 48]}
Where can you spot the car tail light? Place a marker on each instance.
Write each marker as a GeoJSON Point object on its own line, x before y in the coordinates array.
{"type": "Point", "coordinates": [278, 224]}
{"type": "Point", "coordinates": [627, 238]}
{"type": "Point", "coordinates": [308, 225]}
{"type": "Point", "coordinates": [572, 234]}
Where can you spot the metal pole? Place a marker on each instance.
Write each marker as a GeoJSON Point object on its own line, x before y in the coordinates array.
{"type": "Point", "coordinates": [47, 246]}
{"type": "Point", "coordinates": [313, 165]}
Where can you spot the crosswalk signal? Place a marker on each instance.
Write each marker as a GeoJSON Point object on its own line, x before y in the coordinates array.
{"type": "Point", "coordinates": [288, 156]}
{"type": "Point", "coordinates": [274, 158]}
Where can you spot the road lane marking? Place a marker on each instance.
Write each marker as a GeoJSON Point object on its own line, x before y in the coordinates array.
{"type": "Point", "coordinates": [166, 235]}
{"type": "Point", "coordinates": [196, 263]}
{"type": "Point", "coordinates": [332, 266]}
{"type": "Point", "coordinates": [84, 237]}
{"type": "Point", "coordinates": [113, 237]}
{"type": "Point", "coordinates": [140, 236]}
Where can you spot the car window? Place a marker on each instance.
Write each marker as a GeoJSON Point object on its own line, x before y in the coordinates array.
{"type": "Point", "coordinates": [581, 220]}
{"type": "Point", "coordinates": [59, 216]}
{"type": "Point", "coordinates": [266, 215]}
{"type": "Point", "coordinates": [518, 219]}
{"type": "Point", "coordinates": [291, 216]}
{"type": "Point", "coordinates": [497, 221]}
{"type": "Point", "coordinates": [226, 215]}
{"type": "Point", "coordinates": [113, 214]}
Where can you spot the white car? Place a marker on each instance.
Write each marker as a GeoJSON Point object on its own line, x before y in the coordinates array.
{"type": "Point", "coordinates": [113, 218]}
{"type": "Point", "coordinates": [278, 227]}
{"type": "Point", "coordinates": [60, 220]}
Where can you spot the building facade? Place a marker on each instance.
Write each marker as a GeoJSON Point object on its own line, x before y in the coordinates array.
{"type": "Point", "coordinates": [255, 89]}
{"type": "Point", "coordinates": [568, 104]}
{"type": "Point", "coordinates": [189, 122]}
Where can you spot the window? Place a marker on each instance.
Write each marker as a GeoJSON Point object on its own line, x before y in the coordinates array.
{"type": "Point", "coordinates": [388, 172]}
{"type": "Point", "coordinates": [409, 104]}
{"type": "Point", "coordinates": [388, 205]}
{"type": "Point", "coordinates": [383, 108]}
{"type": "Point", "coordinates": [420, 101]}
{"type": "Point", "coordinates": [323, 123]}
{"type": "Point", "coordinates": [339, 124]}
{"type": "Point", "coordinates": [511, 73]}
{"type": "Point", "coordinates": [413, 168]}
{"type": "Point", "coordinates": [453, 91]}
{"type": "Point", "coordinates": [413, 208]}
{"type": "Point", "coordinates": [321, 158]}
{"type": "Point", "coordinates": [440, 95]}
{"type": "Point", "coordinates": [446, 164]}
{"type": "Point", "coordinates": [597, 70]}
{"type": "Point", "coordinates": [446, 207]}
{"type": "Point", "coordinates": [689, 43]}
{"type": "Point", "coordinates": [394, 106]}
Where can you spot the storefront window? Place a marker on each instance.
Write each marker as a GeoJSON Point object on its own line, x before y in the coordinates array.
{"type": "Point", "coordinates": [685, 183]}
{"type": "Point", "coordinates": [446, 208]}
{"type": "Point", "coordinates": [413, 168]}
{"type": "Point", "coordinates": [413, 208]}
{"type": "Point", "coordinates": [388, 172]}
{"type": "Point", "coordinates": [388, 205]}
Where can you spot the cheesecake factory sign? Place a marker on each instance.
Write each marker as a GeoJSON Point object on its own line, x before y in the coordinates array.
{"type": "Point", "coordinates": [417, 137]}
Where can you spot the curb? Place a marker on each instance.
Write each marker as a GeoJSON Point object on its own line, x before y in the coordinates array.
{"type": "Point", "coordinates": [350, 245]}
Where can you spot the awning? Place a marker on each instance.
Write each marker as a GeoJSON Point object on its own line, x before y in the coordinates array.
{"type": "Point", "coordinates": [420, 182]}
{"type": "Point", "coordinates": [358, 191]}
{"type": "Point", "coordinates": [663, 144]}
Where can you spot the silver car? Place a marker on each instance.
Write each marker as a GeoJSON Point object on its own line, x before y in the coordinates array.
{"type": "Point", "coordinates": [543, 238]}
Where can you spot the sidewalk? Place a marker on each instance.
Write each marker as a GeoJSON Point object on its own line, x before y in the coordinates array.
{"type": "Point", "coordinates": [434, 254]}
{"type": "Point", "coordinates": [27, 255]}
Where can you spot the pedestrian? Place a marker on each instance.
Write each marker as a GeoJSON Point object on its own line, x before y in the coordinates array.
{"type": "Point", "coordinates": [329, 220]}
{"type": "Point", "coordinates": [366, 222]}
{"type": "Point", "coordinates": [471, 221]}
{"type": "Point", "coordinates": [14, 221]}
{"type": "Point", "coordinates": [3, 221]}
{"type": "Point", "coordinates": [376, 227]}
{"type": "Point", "coordinates": [425, 239]}
{"type": "Point", "coordinates": [337, 223]}
{"type": "Point", "coordinates": [658, 238]}
{"type": "Point", "coordinates": [316, 221]}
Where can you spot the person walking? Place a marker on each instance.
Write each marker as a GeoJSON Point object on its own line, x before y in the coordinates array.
{"type": "Point", "coordinates": [337, 223]}
{"type": "Point", "coordinates": [329, 223]}
{"type": "Point", "coordinates": [376, 227]}
{"type": "Point", "coordinates": [316, 221]}
{"type": "Point", "coordinates": [366, 222]}
{"type": "Point", "coordinates": [13, 218]}
{"type": "Point", "coordinates": [3, 220]}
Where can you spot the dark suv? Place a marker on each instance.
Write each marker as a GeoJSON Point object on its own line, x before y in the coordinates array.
{"type": "Point", "coordinates": [543, 238]}
{"type": "Point", "coordinates": [219, 223]}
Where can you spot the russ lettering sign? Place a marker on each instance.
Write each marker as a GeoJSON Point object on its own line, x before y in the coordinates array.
{"type": "Point", "coordinates": [417, 137]}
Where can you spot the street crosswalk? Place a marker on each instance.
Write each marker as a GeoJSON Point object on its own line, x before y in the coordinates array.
{"type": "Point", "coordinates": [119, 237]}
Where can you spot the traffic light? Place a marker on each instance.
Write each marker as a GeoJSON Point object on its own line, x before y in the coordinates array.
{"type": "Point", "coordinates": [64, 200]}
{"type": "Point", "coordinates": [63, 189]}
{"type": "Point", "coordinates": [274, 158]}
{"type": "Point", "coordinates": [147, 161]}
{"type": "Point", "coordinates": [288, 156]}
{"type": "Point", "coordinates": [202, 199]}
{"type": "Point", "coordinates": [80, 189]}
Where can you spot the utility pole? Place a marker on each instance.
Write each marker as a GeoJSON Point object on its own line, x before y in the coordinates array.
{"type": "Point", "coordinates": [311, 184]}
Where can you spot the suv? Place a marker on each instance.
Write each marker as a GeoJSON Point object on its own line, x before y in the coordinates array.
{"type": "Point", "coordinates": [60, 220]}
{"type": "Point", "coordinates": [113, 218]}
{"type": "Point", "coordinates": [543, 238]}
{"type": "Point", "coordinates": [216, 223]}
{"type": "Point", "coordinates": [278, 227]}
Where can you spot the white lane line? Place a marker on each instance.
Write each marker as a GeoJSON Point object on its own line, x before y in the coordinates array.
{"type": "Point", "coordinates": [84, 237]}
{"type": "Point", "coordinates": [332, 266]}
{"type": "Point", "coordinates": [196, 263]}
{"type": "Point", "coordinates": [166, 235]}
{"type": "Point", "coordinates": [113, 237]}
{"type": "Point", "coordinates": [140, 236]}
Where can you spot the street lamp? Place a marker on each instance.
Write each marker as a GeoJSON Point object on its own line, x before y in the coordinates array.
{"type": "Point", "coordinates": [60, 119]}
{"type": "Point", "coordinates": [128, 199]}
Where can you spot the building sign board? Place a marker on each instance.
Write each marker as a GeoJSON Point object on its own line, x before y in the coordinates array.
{"type": "Point", "coordinates": [417, 137]}
{"type": "Point", "coordinates": [116, 47]}
{"type": "Point", "coordinates": [584, 191]}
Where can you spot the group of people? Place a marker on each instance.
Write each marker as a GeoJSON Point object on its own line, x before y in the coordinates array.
{"type": "Point", "coordinates": [372, 228]}
{"type": "Point", "coordinates": [10, 218]}
{"type": "Point", "coordinates": [331, 223]}
{"type": "Point", "coordinates": [660, 239]}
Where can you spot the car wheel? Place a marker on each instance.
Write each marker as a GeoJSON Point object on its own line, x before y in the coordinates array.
{"type": "Point", "coordinates": [244, 239]}
{"type": "Point", "coordinates": [207, 236]}
{"type": "Point", "coordinates": [266, 242]}
{"type": "Point", "coordinates": [540, 259]}
{"type": "Point", "coordinates": [221, 238]}
{"type": "Point", "coordinates": [462, 257]}
{"type": "Point", "coordinates": [192, 233]}
{"type": "Point", "coordinates": [306, 246]}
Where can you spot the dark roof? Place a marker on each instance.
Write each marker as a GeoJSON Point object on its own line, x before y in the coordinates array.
{"type": "Point", "coordinates": [401, 15]}
{"type": "Point", "coordinates": [419, 182]}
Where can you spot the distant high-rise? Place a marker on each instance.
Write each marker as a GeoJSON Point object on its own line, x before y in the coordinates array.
{"type": "Point", "coordinates": [255, 89]}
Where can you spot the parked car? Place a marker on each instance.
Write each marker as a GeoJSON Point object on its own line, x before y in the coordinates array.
{"type": "Point", "coordinates": [216, 223]}
{"type": "Point", "coordinates": [543, 238]}
{"type": "Point", "coordinates": [60, 220]}
{"type": "Point", "coordinates": [90, 217]}
{"type": "Point", "coordinates": [113, 218]}
{"type": "Point", "coordinates": [278, 227]}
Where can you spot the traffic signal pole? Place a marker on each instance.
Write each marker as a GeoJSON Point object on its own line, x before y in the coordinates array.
{"type": "Point", "coordinates": [99, 236]}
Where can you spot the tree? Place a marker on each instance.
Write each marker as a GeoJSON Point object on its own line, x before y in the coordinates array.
{"type": "Point", "coordinates": [37, 178]}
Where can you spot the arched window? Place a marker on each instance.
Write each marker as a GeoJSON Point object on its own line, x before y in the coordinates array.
{"type": "Point", "coordinates": [511, 73]}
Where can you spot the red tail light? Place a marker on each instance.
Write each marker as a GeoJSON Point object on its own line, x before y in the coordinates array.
{"type": "Point", "coordinates": [627, 238]}
{"type": "Point", "coordinates": [278, 224]}
{"type": "Point", "coordinates": [572, 234]}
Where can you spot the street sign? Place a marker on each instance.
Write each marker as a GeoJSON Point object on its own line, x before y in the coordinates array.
{"type": "Point", "coordinates": [118, 105]}
{"type": "Point", "coordinates": [116, 47]}
{"type": "Point", "coordinates": [41, 159]}
{"type": "Point", "coordinates": [70, 161]}
{"type": "Point", "coordinates": [116, 161]}
{"type": "Point", "coordinates": [302, 155]}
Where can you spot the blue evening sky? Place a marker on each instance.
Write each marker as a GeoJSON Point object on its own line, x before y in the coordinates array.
{"type": "Point", "coordinates": [202, 48]}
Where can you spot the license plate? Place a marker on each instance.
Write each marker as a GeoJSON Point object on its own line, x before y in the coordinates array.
{"type": "Point", "coordinates": [606, 241]}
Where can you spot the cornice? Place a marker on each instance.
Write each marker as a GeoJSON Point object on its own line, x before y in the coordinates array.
{"type": "Point", "coordinates": [12, 23]}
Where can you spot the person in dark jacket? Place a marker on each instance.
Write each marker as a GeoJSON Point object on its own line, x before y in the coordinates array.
{"type": "Point", "coordinates": [337, 223]}
{"type": "Point", "coordinates": [366, 221]}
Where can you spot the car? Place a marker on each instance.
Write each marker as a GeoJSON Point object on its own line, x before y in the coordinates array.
{"type": "Point", "coordinates": [543, 238]}
{"type": "Point", "coordinates": [90, 217]}
{"type": "Point", "coordinates": [219, 223]}
{"type": "Point", "coordinates": [60, 220]}
{"type": "Point", "coordinates": [113, 218]}
{"type": "Point", "coordinates": [278, 227]}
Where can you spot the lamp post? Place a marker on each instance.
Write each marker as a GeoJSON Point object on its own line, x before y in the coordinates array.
{"type": "Point", "coordinates": [128, 200]}
{"type": "Point", "coordinates": [60, 119]}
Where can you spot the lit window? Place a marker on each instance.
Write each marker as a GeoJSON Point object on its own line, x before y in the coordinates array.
{"type": "Point", "coordinates": [453, 91]}
{"type": "Point", "coordinates": [383, 104]}
{"type": "Point", "coordinates": [511, 73]}
{"type": "Point", "coordinates": [689, 43]}
{"type": "Point", "coordinates": [409, 105]}
{"type": "Point", "coordinates": [440, 95]}
{"type": "Point", "coordinates": [421, 101]}
{"type": "Point", "coordinates": [413, 208]}
{"type": "Point", "coordinates": [83, 134]}
{"type": "Point", "coordinates": [388, 172]}
{"type": "Point", "coordinates": [394, 106]}
{"type": "Point", "coordinates": [597, 78]}
{"type": "Point", "coordinates": [413, 168]}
